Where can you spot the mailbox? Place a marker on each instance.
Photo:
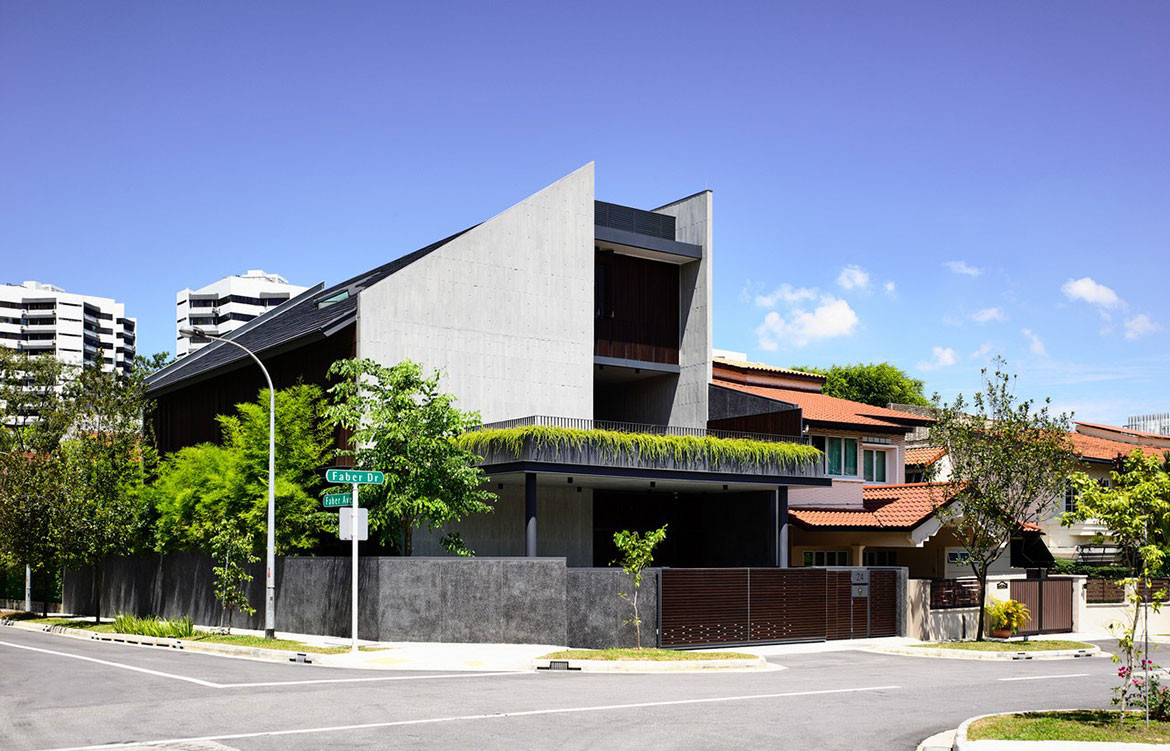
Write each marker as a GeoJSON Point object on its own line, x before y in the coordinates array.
{"type": "Point", "coordinates": [861, 590]}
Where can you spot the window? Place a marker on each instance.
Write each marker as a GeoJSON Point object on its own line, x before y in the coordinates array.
{"type": "Point", "coordinates": [825, 558]}
{"type": "Point", "coordinates": [874, 465]}
{"type": "Point", "coordinates": [958, 558]}
{"type": "Point", "coordinates": [1070, 499]}
{"type": "Point", "coordinates": [840, 454]}
{"type": "Point", "coordinates": [879, 558]}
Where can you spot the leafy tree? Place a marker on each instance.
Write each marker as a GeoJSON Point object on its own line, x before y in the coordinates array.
{"type": "Point", "coordinates": [876, 384]}
{"type": "Point", "coordinates": [1009, 460]}
{"type": "Point", "coordinates": [637, 553]}
{"type": "Point", "coordinates": [154, 363]}
{"type": "Point", "coordinates": [200, 488]}
{"type": "Point", "coordinates": [402, 424]}
{"type": "Point", "coordinates": [33, 420]}
{"type": "Point", "coordinates": [106, 460]}
{"type": "Point", "coordinates": [231, 548]}
{"type": "Point", "coordinates": [1136, 510]}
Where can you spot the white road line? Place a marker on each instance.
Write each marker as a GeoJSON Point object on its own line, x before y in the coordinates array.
{"type": "Point", "coordinates": [370, 680]}
{"type": "Point", "coordinates": [1045, 677]}
{"type": "Point", "coordinates": [136, 669]}
{"type": "Point", "coordinates": [498, 715]}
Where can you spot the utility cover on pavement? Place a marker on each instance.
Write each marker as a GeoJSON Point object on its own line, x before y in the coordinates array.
{"type": "Point", "coordinates": [345, 524]}
{"type": "Point", "coordinates": [357, 476]}
{"type": "Point", "coordinates": [337, 500]}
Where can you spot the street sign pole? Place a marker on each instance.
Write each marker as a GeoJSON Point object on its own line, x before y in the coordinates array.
{"type": "Point", "coordinates": [353, 525]}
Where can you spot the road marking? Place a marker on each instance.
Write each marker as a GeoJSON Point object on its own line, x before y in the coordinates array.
{"type": "Point", "coordinates": [135, 668]}
{"type": "Point", "coordinates": [370, 680]}
{"type": "Point", "coordinates": [497, 715]}
{"type": "Point", "coordinates": [1045, 677]}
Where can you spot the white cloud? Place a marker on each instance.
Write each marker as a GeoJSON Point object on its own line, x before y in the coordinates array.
{"type": "Point", "coordinates": [1035, 343]}
{"type": "Point", "coordinates": [989, 314]}
{"type": "Point", "coordinates": [1087, 290]}
{"type": "Point", "coordinates": [962, 267]}
{"type": "Point", "coordinates": [1139, 326]}
{"type": "Point", "coordinates": [853, 277]}
{"type": "Point", "coordinates": [831, 318]}
{"type": "Point", "coordinates": [889, 287]}
{"type": "Point", "coordinates": [941, 357]}
{"type": "Point", "coordinates": [982, 352]}
{"type": "Point", "coordinates": [787, 294]}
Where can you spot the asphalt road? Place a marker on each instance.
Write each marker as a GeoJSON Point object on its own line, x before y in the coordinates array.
{"type": "Point", "coordinates": [60, 693]}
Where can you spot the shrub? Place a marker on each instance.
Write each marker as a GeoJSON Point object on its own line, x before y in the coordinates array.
{"type": "Point", "coordinates": [152, 625]}
{"type": "Point", "coordinates": [1007, 614]}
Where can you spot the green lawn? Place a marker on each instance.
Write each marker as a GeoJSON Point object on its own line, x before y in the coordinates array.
{"type": "Point", "coordinates": [249, 640]}
{"type": "Point", "coordinates": [1042, 645]}
{"type": "Point", "coordinates": [657, 655]}
{"type": "Point", "coordinates": [1086, 725]}
{"type": "Point", "coordinates": [84, 623]}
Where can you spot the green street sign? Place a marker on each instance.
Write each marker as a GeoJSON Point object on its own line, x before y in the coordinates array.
{"type": "Point", "coordinates": [336, 500]}
{"type": "Point", "coordinates": [356, 476]}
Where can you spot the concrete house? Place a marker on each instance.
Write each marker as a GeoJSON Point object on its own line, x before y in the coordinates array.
{"type": "Point", "coordinates": [561, 310]}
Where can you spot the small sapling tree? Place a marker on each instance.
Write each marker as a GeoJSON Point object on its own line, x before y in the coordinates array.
{"type": "Point", "coordinates": [637, 553]}
{"type": "Point", "coordinates": [232, 549]}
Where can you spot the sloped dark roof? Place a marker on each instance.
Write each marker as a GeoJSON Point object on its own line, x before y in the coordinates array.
{"type": "Point", "coordinates": [298, 319]}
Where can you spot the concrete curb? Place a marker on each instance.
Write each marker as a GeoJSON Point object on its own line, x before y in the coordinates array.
{"type": "Point", "coordinates": [651, 666]}
{"type": "Point", "coordinates": [226, 650]}
{"type": "Point", "coordinates": [962, 654]}
{"type": "Point", "coordinates": [963, 744]}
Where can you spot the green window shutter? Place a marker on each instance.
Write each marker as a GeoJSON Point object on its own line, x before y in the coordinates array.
{"type": "Point", "coordinates": [850, 456]}
{"type": "Point", "coordinates": [879, 466]}
{"type": "Point", "coordinates": [867, 465]}
{"type": "Point", "coordinates": [833, 453]}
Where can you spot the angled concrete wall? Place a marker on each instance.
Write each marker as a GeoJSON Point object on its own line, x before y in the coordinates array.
{"type": "Point", "coordinates": [506, 309]}
{"type": "Point", "coordinates": [693, 224]}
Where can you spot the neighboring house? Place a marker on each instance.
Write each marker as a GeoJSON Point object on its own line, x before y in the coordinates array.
{"type": "Point", "coordinates": [225, 305]}
{"type": "Point", "coordinates": [561, 311]}
{"type": "Point", "coordinates": [45, 320]}
{"type": "Point", "coordinates": [1097, 447]}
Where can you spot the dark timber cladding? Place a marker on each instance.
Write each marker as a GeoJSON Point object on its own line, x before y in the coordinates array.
{"type": "Point", "coordinates": [729, 606]}
{"type": "Point", "coordinates": [636, 313]}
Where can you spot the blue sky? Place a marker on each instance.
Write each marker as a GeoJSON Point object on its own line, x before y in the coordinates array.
{"type": "Point", "coordinates": [1004, 166]}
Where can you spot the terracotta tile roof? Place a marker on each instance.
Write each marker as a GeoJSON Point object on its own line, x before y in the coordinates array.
{"type": "Point", "coordinates": [1124, 431]}
{"type": "Point", "coordinates": [925, 455]}
{"type": "Point", "coordinates": [886, 507]}
{"type": "Point", "coordinates": [822, 408]}
{"type": "Point", "coordinates": [1103, 449]}
{"type": "Point", "coordinates": [765, 368]}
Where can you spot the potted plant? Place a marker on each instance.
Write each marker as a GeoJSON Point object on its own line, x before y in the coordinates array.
{"type": "Point", "coordinates": [1006, 617]}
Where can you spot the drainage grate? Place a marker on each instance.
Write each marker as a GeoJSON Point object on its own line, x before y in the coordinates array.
{"type": "Point", "coordinates": [302, 658]}
{"type": "Point", "coordinates": [558, 665]}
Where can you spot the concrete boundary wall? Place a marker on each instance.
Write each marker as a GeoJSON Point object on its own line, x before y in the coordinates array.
{"type": "Point", "coordinates": [492, 600]}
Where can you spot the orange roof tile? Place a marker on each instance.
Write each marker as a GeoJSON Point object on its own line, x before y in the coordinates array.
{"type": "Point", "coordinates": [822, 408]}
{"type": "Point", "coordinates": [763, 367]}
{"type": "Point", "coordinates": [1123, 431]}
{"type": "Point", "coordinates": [902, 506]}
{"type": "Point", "coordinates": [924, 454]}
{"type": "Point", "coordinates": [1103, 449]}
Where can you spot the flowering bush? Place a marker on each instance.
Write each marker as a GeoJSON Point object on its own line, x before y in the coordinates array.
{"type": "Point", "coordinates": [1135, 691]}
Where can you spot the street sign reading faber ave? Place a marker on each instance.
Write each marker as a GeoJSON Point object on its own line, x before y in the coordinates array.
{"type": "Point", "coordinates": [337, 500]}
{"type": "Point", "coordinates": [355, 476]}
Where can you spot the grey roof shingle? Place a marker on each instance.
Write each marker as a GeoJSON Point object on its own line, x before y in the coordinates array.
{"type": "Point", "coordinates": [299, 318]}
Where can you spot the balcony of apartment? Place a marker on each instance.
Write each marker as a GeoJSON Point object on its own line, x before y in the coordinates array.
{"type": "Point", "coordinates": [40, 313]}
{"type": "Point", "coordinates": [641, 233]}
{"type": "Point", "coordinates": [39, 344]}
{"type": "Point", "coordinates": [565, 445]}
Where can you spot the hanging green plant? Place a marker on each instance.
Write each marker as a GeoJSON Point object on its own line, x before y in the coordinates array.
{"type": "Point", "coordinates": [644, 447]}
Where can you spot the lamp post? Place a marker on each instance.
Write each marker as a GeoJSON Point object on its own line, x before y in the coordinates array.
{"type": "Point", "coordinates": [194, 332]}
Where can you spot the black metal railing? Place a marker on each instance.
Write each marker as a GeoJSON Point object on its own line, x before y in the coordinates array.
{"type": "Point", "coordinates": [633, 220]}
{"type": "Point", "coordinates": [580, 423]}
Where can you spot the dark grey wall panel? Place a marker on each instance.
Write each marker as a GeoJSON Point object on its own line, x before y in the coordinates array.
{"type": "Point", "coordinates": [596, 613]}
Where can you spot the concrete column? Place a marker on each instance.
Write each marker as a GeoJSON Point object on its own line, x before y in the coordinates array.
{"type": "Point", "coordinates": [857, 554]}
{"type": "Point", "coordinates": [530, 515]}
{"type": "Point", "coordinates": [782, 526]}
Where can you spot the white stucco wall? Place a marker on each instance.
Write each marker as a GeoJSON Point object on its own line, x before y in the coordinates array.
{"type": "Point", "coordinates": [506, 309]}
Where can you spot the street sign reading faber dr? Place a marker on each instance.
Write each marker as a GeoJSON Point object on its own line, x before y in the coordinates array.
{"type": "Point", "coordinates": [355, 476]}
{"type": "Point", "coordinates": [337, 500]}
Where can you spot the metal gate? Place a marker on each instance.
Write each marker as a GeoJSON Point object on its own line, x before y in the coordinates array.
{"type": "Point", "coordinates": [729, 606]}
{"type": "Point", "coordinates": [1049, 603]}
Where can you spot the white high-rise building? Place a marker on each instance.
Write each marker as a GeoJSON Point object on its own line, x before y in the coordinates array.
{"type": "Point", "coordinates": [228, 304]}
{"type": "Point", "coordinates": [43, 319]}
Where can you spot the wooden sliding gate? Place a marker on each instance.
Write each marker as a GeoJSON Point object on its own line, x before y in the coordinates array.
{"type": "Point", "coordinates": [727, 606]}
{"type": "Point", "coordinates": [1049, 603]}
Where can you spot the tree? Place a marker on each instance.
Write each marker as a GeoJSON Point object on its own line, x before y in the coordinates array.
{"type": "Point", "coordinates": [1136, 510]}
{"type": "Point", "coordinates": [200, 488]}
{"type": "Point", "coordinates": [231, 548]}
{"type": "Point", "coordinates": [107, 460]}
{"type": "Point", "coordinates": [402, 424]}
{"type": "Point", "coordinates": [637, 553]}
{"type": "Point", "coordinates": [33, 420]}
{"type": "Point", "coordinates": [876, 384]}
{"type": "Point", "coordinates": [1009, 461]}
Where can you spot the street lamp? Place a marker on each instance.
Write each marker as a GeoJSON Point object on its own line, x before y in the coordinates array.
{"type": "Point", "coordinates": [194, 332]}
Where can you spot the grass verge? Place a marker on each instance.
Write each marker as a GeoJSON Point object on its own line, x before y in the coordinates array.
{"type": "Point", "coordinates": [656, 655]}
{"type": "Point", "coordinates": [81, 623]}
{"type": "Point", "coordinates": [249, 640]}
{"type": "Point", "coordinates": [1085, 725]}
{"type": "Point", "coordinates": [1043, 645]}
